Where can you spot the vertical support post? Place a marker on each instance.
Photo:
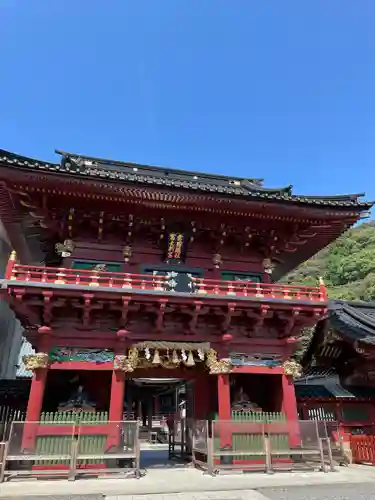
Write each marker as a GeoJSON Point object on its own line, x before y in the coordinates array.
{"type": "Point", "coordinates": [116, 405]}
{"type": "Point", "coordinates": [156, 404]}
{"type": "Point", "coordinates": [201, 397]}
{"type": "Point", "coordinates": [225, 414]}
{"type": "Point", "coordinates": [3, 463]}
{"type": "Point", "coordinates": [9, 267]}
{"type": "Point", "coordinates": [223, 393]}
{"type": "Point", "coordinates": [323, 290]}
{"type": "Point", "coordinates": [34, 408]}
{"type": "Point", "coordinates": [116, 408]}
{"type": "Point", "coordinates": [290, 409]}
{"type": "Point", "coordinates": [149, 406]}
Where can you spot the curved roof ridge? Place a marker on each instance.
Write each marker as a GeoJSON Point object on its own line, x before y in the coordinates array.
{"type": "Point", "coordinates": [353, 321]}
{"type": "Point", "coordinates": [147, 175]}
{"type": "Point", "coordinates": [157, 168]}
{"type": "Point", "coordinates": [21, 158]}
{"type": "Point", "coordinates": [336, 197]}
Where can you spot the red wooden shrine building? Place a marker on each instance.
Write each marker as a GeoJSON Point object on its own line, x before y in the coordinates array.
{"type": "Point", "coordinates": [339, 376]}
{"type": "Point", "coordinates": [123, 271]}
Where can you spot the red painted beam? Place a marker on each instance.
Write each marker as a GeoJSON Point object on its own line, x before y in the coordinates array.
{"type": "Point", "coordinates": [259, 370]}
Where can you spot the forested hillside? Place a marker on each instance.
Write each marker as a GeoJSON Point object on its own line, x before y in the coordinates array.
{"type": "Point", "coordinates": [347, 266]}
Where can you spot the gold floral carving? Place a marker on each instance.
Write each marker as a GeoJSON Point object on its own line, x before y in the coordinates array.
{"type": "Point", "coordinates": [292, 368]}
{"type": "Point", "coordinates": [217, 367]}
{"type": "Point", "coordinates": [34, 361]}
{"type": "Point", "coordinates": [127, 363]}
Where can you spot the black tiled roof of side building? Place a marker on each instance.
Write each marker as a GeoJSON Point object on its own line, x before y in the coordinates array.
{"type": "Point", "coordinates": [355, 320]}
{"type": "Point", "coordinates": [311, 391]}
{"type": "Point", "coordinates": [132, 173]}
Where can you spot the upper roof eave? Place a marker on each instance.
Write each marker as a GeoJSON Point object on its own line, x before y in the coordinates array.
{"type": "Point", "coordinates": [179, 179]}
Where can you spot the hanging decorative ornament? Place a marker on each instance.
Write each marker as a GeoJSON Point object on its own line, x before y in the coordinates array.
{"type": "Point", "coordinates": [217, 260]}
{"type": "Point", "coordinates": [175, 358]}
{"type": "Point", "coordinates": [156, 360]}
{"type": "Point", "coordinates": [190, 360]}
{"type": "Point", "coordinates": [200, 354]}
{"type": "Point", "coordinates": [183, 356]}
{"type": "Point", "coordinates": [147, 353]}
{"type": "Point", "coordinates": [268, 265]}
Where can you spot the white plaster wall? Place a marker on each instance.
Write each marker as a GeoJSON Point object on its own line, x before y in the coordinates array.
{"type": "Point", "coordinates": [10, 328]}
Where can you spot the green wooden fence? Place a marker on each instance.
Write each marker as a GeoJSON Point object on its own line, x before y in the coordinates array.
{"type": "Point", "coordinates": [89, 444]}
{"type": "Point", "coordinates": [254, 441]}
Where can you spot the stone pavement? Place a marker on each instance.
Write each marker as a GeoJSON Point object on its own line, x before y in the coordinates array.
{"type": "Point", "coordinates": [364, 491]}
{"type": "Point", "coordinates": [171, 484]}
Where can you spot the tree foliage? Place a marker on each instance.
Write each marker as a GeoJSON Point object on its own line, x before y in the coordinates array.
{"type": "Point", "coordinates": [347, 266]}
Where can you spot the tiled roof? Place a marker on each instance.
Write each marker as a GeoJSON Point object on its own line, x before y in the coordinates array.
{"type": "Point", "coordinates": [353, 319]}
{"type": "Point", "coordinates": [312, 391]}
{"type": "Point", "coordinates": [318, 372]}
{"type": "Point", "coordinates": [146, 175]}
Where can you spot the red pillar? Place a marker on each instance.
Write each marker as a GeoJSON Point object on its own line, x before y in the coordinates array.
{"type": "Point", "coordinates": [225, 413]}
{"type": "Point", "coordinates": [34, 408]}
{"type": "Point", "coordinates": [9, 268]}
{"type": "Point", "coordinates": [116, 407]}
{"type": "Point", "coordinates": [223, 394]}
{"type": "Point", "coordinates": [289, 407]}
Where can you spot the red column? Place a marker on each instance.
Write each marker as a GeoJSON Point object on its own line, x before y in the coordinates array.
{"type": "Point", "coordinates": [225, 413]}
{"type": "Point", "coordinates": [10, 265]}
{"type": "Point", "coordinates": [116, 407]}
{"type": "Point", "coordinates": [289, 407]}
{"type": "Point", "coordinates": [223, 394]}
{"type": "Point", "coordinates": [34, 408]}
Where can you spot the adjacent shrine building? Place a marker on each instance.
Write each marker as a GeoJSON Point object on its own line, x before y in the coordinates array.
{"type": "Point", "coordinates": [123, 271]}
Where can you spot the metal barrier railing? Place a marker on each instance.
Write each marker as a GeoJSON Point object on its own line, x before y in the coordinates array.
{"type": "Point", "coordinates": [73, 449]}
{"type": "Point", "coordinates": [70, 449]}
{"type": "Point", "coordinates": [179, 438]}
{"type": "Point", "coordinates": [245, 445]}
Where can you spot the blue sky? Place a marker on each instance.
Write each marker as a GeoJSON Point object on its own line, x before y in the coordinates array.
{"type": "Point", "coordinates": [283, 90]}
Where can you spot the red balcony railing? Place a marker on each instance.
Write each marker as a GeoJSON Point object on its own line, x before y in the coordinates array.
{"type": "Point", "coordinates": [147, 282]}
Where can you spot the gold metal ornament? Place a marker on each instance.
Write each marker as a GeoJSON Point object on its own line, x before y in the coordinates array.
{"type": "Point", "coordinates": [217, 367]}
{"type": "Point", "coordinates": [292, 368]}
{"type": "Point", "coordinates": [34, 361]}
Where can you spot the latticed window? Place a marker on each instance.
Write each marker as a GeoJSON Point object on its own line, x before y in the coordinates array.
{"type": "Point", "coordinates": [324, 412]}
{"type": "Point", "coordinates": [236, 276]}
{"type": "Point", "coordinates": [89, 265]}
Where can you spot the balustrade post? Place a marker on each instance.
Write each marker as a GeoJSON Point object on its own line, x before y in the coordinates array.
{"type": "Point", "coordinates": [201, 286]}
{"type": "Point", "coordinates": [127, 281]}
{"type": "Point", "coordinates": [60, 277]}
{"type": "Point", "coordinates": [259, 291]}
{"type": "Point", "coordinates": [323, 290]}
{"type": "Point", "coordinates": [158, 284]}
{"type": "Point", "coordinates": [9, 270]}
